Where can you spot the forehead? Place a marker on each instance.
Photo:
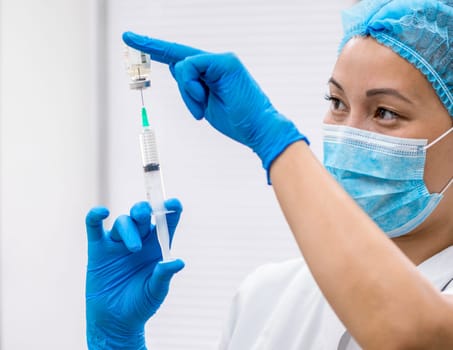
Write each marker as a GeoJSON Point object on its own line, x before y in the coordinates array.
{"type": "Point", "coordinates": [366, 64]}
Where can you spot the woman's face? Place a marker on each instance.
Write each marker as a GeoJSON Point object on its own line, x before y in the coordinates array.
{"type": "Point", "coordinates": [374, 89]}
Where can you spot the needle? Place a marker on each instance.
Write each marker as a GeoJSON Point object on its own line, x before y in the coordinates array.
{"type": "Point", "coordinates": [141, 93]}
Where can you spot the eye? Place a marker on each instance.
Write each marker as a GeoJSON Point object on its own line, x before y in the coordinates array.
{"type": "Point", "coordinates": [335, 103]}
{"type": "Point", "coordinates": [386, 115]}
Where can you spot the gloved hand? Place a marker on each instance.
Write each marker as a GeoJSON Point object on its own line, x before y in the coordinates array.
{"type": "Point", "coordinates": [219, 88]}
{"type": "Point", "coordinates": [126, 282]}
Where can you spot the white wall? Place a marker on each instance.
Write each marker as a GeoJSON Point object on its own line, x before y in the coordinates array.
{"type": "Point", "coordinates": [231, 223]}
{"type": "Point", "coordinates": [48, 170]}
{"type": "Point", "coordinates": [52, 57]}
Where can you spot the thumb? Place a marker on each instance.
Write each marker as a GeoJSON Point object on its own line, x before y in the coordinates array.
{"type": "Point", "coordinates": [159, 283]}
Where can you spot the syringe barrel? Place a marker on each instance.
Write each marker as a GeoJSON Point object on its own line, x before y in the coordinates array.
{"type": "Point", "coordinates": [156, 197]}
{"type": "Point", "coordinates": [148, 145]}
{"type": "Point", "coordinates": [154, 188]}
{"type": "Point", "coordinates": [155, 191]}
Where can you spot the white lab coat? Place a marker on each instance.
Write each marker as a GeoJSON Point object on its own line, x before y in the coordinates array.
{"type": "Point", "coordinates": [280, 306]}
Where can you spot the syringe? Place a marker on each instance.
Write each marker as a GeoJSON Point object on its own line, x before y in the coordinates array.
{"type": "Point", "coordinates": [138, 68]}
{"type": "Point", "coordinates": [154, 184]}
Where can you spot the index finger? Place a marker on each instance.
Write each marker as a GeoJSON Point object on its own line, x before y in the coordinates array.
{"type": "Point", "coordinates": [160, 50]}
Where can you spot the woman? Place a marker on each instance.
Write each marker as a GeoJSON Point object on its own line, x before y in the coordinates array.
{"type": "Point", "coordinates": [374, 224]}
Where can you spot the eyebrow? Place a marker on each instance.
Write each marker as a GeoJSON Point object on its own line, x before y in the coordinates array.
{"type": "Point", "coordinates": [388, 91]}
{"type": "Point", "coordinates": [336, 83]}
{"type": "Point", "coordinates": [374, 92]}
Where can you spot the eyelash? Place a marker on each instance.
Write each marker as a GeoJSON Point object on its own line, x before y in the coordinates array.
{"type": "Point", "coordinates": [335, 100]}
{"type": "Point", "coordinates": [380, 109]}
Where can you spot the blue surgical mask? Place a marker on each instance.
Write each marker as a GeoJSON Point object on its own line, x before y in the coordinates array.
{"type": "Point", "coordinates": [384, 175]}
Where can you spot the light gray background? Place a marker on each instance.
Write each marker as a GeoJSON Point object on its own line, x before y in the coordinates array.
{"type": "Point", "coordinates": [69, 141]}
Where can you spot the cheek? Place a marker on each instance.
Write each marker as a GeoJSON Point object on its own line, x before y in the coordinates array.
{"type": "Point", "coordinates": [439, 165]}
{"type": "Point", "coordinates": [328, 118]}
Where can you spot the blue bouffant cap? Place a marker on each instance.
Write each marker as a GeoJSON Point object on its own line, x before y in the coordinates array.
{"type": "Point", "coordinates": [420, 31]}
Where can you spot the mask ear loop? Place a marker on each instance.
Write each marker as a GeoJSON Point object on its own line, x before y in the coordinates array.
{"type": "Point", "coordinates": [432, 144]}
{"type": "Point", "coordinates": [439, 138]}
{"type": "Point", "coordinates": [446, 187]}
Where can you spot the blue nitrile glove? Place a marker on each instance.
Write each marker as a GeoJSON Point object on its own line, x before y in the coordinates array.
{"type": "Point", "coordinates": [219, 88]}
{"type": "Point", "coordinates": [126, 281]}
